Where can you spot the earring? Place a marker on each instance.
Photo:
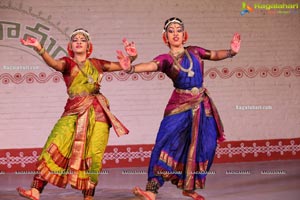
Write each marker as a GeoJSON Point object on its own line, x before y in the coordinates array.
{"type": "Point", "coordinates": [185, 37]}
{"type": "Point", "coordinates": [165, 39]}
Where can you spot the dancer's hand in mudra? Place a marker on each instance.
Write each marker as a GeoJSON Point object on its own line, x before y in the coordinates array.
{"type": "Point", "coordinates": [129, 48]}
{"type": "Point", "coordinates": [235, 43]}
{"type": "Point", "coordinates": [124, 61]}
{"type": "Point", "coordinates": [30, 41]}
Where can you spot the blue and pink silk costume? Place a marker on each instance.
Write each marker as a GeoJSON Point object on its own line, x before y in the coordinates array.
{"type": "Point", "coordinates": [187, 138]}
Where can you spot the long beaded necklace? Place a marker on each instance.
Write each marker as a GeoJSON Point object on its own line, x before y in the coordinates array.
{"type": "Point", "coordinates": [189, 70]}
{"type": "Point", "coordinates": [89, 77]}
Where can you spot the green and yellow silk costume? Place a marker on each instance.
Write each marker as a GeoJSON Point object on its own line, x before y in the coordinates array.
{"type": "Point", "coordinates": [74, 150]}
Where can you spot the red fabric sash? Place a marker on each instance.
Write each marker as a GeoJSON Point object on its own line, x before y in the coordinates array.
{"type": "Point", "coordinates": [80, 105]}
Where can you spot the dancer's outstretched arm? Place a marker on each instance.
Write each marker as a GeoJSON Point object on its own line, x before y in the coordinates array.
{"type": "Point", "coordinates": [58, 65]}
{"type": "Point", "coordinates": [223, 54]}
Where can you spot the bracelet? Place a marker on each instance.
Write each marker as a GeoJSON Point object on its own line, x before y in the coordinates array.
{"type": "Point", "coordinates": [132, 58]}
{"type": "Point", "coordinates": [131, 70]}
{"type": "Point", "coordinates": [42, 51]}
{"type": "Point", "coordinates": [229, 55]}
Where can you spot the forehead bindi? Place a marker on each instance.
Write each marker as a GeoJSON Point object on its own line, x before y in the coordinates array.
{"type": "Point", "coordinates": [79, 36]}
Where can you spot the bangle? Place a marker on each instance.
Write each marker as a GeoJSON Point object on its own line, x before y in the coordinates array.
{"type": "Point", "coordinates": [131, 70]}
{"type": "Point", "coordinates": [132, 58]}
{"type": "Point", "coordinates": [41, 51]}
{"type": "Point", "coordinates": [229, 55]}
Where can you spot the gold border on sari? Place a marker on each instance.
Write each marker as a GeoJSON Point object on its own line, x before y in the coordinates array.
{"type": "Point", "coordinates": [78, 147]}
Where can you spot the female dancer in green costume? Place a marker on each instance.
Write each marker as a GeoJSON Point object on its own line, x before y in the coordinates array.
{"type": "Point", "coordinates": [74, 150]}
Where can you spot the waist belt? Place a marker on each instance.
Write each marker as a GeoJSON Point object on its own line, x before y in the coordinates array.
{"type": "Point", "coordinates": [193, 91]}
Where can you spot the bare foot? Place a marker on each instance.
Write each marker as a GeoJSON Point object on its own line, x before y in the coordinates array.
{"type": "Point", "coordinates": [32, 194]}
{"type": "Point", "coordinates": [142, 194]}
{"type": "Point", "coordinates": [193, 195]}
{"type": "Point", "coordinates": [88, 198]}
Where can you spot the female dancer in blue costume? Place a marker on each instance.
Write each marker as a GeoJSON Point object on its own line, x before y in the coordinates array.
{"type": "Point", "coordinates": [187, 139]}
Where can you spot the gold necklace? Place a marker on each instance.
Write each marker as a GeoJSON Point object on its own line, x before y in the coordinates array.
{"type": "Point", "coordinates": [177, 64]}
{"type": "Point", "coordinates": [89, 77]}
